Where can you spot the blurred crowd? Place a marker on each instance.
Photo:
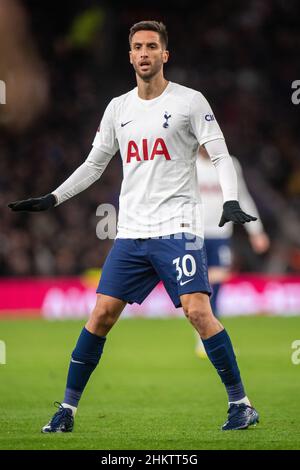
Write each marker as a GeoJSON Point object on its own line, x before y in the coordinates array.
{"type": "Point", "coordinates": [243, 57]}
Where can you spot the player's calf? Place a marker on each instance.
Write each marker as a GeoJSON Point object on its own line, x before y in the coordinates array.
{"type": "Point", "coordinates": [84, 360]}
{"type": "Point", "coordinates": [220, 352]}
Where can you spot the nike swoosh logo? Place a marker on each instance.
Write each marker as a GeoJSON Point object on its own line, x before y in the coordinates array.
{"type": "Point", "coordinates": [185, 282]}
{"type": "Point", "coordinates": [125, 123]}
{"type": "Point", "coordinates": [77, 362]}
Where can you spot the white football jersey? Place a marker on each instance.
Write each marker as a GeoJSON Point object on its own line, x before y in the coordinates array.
{"type": "Point", "coordinates": [212, 200]}
{"type": "Point", "coordinates": [158, 141]}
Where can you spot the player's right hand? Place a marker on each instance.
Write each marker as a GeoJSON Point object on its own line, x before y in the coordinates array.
{"type": "Point", "coordinates": [35, 204]}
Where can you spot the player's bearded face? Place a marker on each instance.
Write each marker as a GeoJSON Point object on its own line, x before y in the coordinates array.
{"type": "Point", "coordinates": [147, 54]}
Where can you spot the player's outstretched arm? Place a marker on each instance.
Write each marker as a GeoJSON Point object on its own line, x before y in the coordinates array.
{"type": "Point", "coordinates": [83, 177]}
{"type": "Point", "coordinates": [105, 146]}
{"type": "Point", "coordinates": [35, 204]}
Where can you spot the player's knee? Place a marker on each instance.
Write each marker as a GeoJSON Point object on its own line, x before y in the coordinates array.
{"type": "Point", "coordinates": [104, 317]}
{"type": "Point", "coordinates": [197, 311]}
{"type": "Point", "coordinates": [197, 314]}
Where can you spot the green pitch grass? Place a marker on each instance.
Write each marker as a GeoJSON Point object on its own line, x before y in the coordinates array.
{"type": "Point", "coordinates": [150, 391]}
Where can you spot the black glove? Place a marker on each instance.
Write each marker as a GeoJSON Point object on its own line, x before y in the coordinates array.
{"type": "Point", "coordinates": [35, 204]}
{"type": "Point", "coordinates": [233, 212]}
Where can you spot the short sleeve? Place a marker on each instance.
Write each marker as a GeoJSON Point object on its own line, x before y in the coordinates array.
{"type": "Point", "coordinates": [105, 138]}
{"type": "Point", "coordinates": [202, 120]}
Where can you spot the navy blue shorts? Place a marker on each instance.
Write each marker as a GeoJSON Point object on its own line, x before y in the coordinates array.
{"type": "Point", "coordinates": [218, 252]}
{"type": "Point", "coordinates": [134, 267]}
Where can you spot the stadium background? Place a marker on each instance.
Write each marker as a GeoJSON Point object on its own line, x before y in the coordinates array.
{"type": "Point", "coordinates": [62, 62]}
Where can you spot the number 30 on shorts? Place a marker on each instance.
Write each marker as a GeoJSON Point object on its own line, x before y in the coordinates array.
{"type": "Point", "coordinates": [185, 265]}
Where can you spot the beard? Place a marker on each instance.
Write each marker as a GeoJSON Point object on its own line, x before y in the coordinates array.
{"type": "Point", "coordinates": [149, 74]}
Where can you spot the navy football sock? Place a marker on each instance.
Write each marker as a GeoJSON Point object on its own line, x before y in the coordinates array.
{"type": "Point", "coordinates": [85, 358]}
{"type": "Point", "coordinates": [220, 352]}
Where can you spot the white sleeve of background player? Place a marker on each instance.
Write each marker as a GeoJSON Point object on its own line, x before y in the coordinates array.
{"type": "Point", "coordinates": [203, 122]}
{"type": "Point", "coordinates": [246, 202]}
{"type": "Point", "coordinates": [85, 175]}
{"type": "Point", "coordinates": [105, 138]}
{"type": "Point", "coordinates": [218, 152]}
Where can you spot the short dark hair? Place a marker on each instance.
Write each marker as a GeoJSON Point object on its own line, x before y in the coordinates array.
{"type": "Point", "coordinates": [156, 26]}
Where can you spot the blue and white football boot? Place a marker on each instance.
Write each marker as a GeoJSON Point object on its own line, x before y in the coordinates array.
{"type": "Point", "coordinates": [240, 417]}
{"type": "Point", "coordinates": [62, 420]}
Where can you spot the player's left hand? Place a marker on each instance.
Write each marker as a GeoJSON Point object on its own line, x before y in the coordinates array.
{"type": "Point", "coordinates": [232, 212]}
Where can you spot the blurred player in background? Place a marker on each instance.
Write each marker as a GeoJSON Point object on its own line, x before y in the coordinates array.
{"type": "Point", "coordinates": [218, 239]}
{"type": "Point", "coordinates": [158, 127]}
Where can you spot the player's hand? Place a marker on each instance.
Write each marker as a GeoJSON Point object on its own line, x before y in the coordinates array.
{"type": "Point", "coordinates": [232, 212]}
{"type": "Point", "coordinates": [35, 204]}
{"type": "Point", "coordinates": [260, 242]}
